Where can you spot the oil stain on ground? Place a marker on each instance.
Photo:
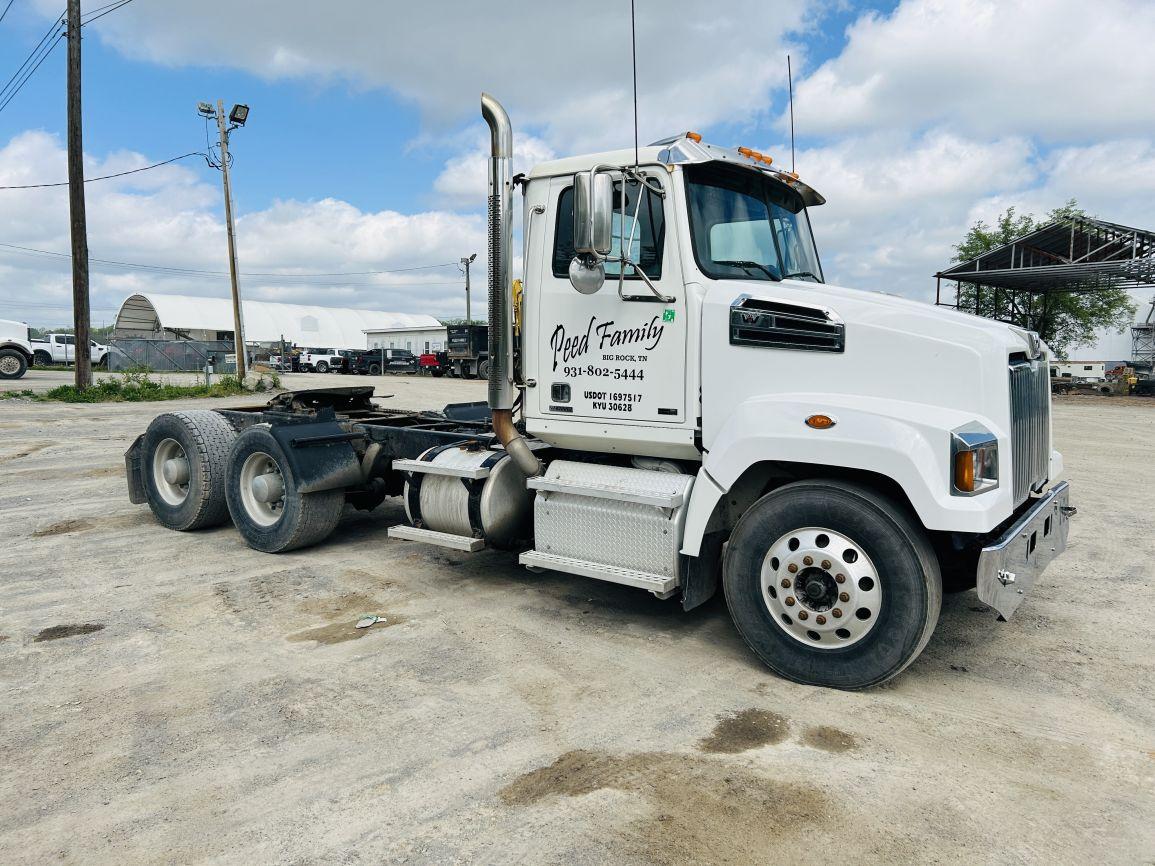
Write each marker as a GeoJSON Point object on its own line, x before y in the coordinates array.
{"type": "Point", "coordinates": [745, 730]}
{"type": "Point", "coordinates": [62, 528]}
{"type": "Point", "coordinates": [828, 739]}
{"type": "Point", "coordinates": [56, 632]}
{"type": "Point", "coordinates": [703, 809]}
{"type": "Point", "coordinates": [339, 632]}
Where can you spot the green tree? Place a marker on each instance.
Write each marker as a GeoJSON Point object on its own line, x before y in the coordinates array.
{"type": "Point", "coordinates": [1065, 320]}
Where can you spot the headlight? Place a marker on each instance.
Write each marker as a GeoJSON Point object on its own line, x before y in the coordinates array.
{"type": "Point", "coordinates": [974, 460]}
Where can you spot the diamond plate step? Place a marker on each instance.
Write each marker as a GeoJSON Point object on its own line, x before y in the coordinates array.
{"type": "Point", "coordinates": [441, 539]}
{"type": "Point", "coordinates": [440, 469]}
{"type": "Point", "coordinates": [659, 585]}
{"type": "Point", "coordinates": [661, 499]}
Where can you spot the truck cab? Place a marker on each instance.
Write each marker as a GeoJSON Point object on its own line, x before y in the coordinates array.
{"type": "Point", "coordinates": [678, 401]}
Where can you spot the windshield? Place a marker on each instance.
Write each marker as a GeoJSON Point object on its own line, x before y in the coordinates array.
{"type": "Point", "coordinates": [746, 226]}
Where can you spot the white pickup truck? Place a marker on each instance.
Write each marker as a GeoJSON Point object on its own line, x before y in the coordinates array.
{"type": "Point", "coordinates": [15, 349]}
{"type": "Point", "coordinates": [320, 360]}
{"type": "Point", "coordinates": [61, 349]}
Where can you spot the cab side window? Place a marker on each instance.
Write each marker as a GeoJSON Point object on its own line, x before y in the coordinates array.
{"type": "Point", "coordinates": [649, 233]}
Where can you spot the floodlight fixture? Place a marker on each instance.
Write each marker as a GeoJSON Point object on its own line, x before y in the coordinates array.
{"type": "Point", "coordinates": [205, 109]}
{"type": "Point", "coordinates": [239, 115]}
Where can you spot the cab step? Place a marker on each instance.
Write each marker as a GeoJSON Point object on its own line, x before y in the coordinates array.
{"type": "Point", "coordinates": [466, 543]}
{"type": "Point", "coordinates": [659, 585]}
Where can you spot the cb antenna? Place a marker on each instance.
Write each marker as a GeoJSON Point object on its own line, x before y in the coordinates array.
{"type": "Point", "coordinates": [790, 85]}
{"type": "Point", "coordinates": [634, 52]}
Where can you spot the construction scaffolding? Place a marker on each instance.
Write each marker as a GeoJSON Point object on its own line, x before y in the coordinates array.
{"type": "Point", "coordinates": [1143, 342]}
{"type": "Point", "coordinates": [1076, 255]}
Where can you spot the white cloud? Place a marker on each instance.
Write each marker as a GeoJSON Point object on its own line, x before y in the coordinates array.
{"type": "Point", "coordinates": [170, 217]}
{"type": "Point", "coordinates": [463, 180]}
{"type": "Point", "coordinates": [557, 66]}
{"type": "Point", "coordinates": [1061, 70]}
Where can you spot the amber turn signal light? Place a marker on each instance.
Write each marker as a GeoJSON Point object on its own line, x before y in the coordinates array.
{"type": "Point", "coordinates": [964, 471]}
{"type": "Point", "coordinates": [820, 422]}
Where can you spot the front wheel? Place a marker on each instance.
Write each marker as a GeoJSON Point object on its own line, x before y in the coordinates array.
{"type": "Point", "coordinates": [13, 364]}
{"type": "Point", "coordinates": [322, 367]}
{"type": "Point", "coordinates": [41, 358]}
{"type": "Point", "coordinates": [832, 584]}
{"type": "Point", "coordinates": [265, 504]}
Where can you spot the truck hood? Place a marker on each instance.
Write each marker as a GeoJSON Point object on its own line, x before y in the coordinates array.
{"type": "Point", "coordinates": [857, 307]}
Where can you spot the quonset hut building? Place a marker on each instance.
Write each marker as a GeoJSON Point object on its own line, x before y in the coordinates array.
{"type": "Point", "coordinates": [181, 332]}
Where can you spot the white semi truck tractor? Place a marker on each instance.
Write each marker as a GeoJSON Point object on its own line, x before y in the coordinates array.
{"type": "Point", "coordinates": [679, 402]}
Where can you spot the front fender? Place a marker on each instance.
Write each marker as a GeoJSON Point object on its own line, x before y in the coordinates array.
{"type": "Point", "coordinates": [908, 443]}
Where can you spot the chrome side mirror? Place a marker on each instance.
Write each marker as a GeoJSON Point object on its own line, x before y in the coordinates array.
{"type": "Point", "coordinates": [593, 214]}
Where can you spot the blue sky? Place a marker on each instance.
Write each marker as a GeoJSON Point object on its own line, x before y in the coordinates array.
{"type": "Point", "coordinates": [364, 150]}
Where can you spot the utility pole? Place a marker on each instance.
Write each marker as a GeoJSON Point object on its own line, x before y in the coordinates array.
{"type": "Point", "coordinates": [238, 317]}
{"type": "Point", "coordinates": [467, 261]}
{"type": "Point", "coordinates": [77, 220]}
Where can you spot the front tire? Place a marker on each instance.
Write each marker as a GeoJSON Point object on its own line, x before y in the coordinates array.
{"type": "Point", "coordinates": [811, 548]}
{"type": "Point", "coordinates": [41, 358]}
{"type": "Point", "coordinates": [13, 364]}
{"type": "Point", "coordinates": [272, 515]}
{"type": "Point", "coordinates": [185, 459]}
{"type": "Point", "coordinates": [322, 367]}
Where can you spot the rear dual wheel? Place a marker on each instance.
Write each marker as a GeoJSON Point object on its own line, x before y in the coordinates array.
{"type": "Point", "coordinates": [269, 511]}
{"type": "Point", "coordinates": [832, 584]}
{"type": "Point", "coordinates": [184, 459]}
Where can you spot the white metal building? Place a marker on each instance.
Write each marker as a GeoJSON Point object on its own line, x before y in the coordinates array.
{"type": "Point", "coordinates": [158, 316]}
{"type": "Point", "coordinates": [423, 338]}
{"type": "Point", "coordinates": [1079, 369]}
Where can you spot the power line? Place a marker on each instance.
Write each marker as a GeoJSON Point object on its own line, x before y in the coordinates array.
{"type": "Point", "coordinates": [6, 8]}
{"type": "Point", "coordinates": [107, 176]}
{"type": "Point", "coordinates": [37, 56]}
{"type": "Point", "coordinates": [203, 273]}
{"type": "Point", "coordinates": [111, 7]}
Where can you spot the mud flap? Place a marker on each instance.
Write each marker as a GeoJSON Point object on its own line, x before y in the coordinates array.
{"type": "Point", "coordinates": [320, 455]}
{"type": "Point", "coordinates": [700, 573]}
{"type": "Point", "coordinates": [134, 473]}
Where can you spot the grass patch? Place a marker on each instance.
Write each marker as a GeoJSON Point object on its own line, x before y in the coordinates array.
{"type": "Point", "coordinates": [136, 387]}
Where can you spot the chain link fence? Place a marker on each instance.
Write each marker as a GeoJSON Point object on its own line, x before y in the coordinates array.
{"type": "Point", "coordinates": [165, 356]}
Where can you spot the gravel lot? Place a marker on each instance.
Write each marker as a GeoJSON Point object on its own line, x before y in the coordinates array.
{"type": "Point", "coordinates": [177, 697]}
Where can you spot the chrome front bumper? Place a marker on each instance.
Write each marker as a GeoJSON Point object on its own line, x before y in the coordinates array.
{"type": "Point", "coordinates": [1007, 568]}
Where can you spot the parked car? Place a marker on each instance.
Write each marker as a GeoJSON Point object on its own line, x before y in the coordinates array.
{"type": "Point", "coordinates": [61, 349]}
{"type": "Point", "coordinates": [316, 360]}
{"type": "Point", "coordinates": [15, 349]}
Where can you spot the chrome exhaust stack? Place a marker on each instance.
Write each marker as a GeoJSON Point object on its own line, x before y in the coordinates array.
{"type": "Point", "coordinates": [502, 388]}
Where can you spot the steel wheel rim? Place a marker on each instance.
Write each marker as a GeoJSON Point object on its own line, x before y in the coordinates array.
{"type": "Point", "coordinates": [9, 365]}
{"type": "Point", "coordinates": [821, 588]}
{"type": "Point", "coordinates": [173, 492]}
{"type": "Point", "coordinates": [256, 465]}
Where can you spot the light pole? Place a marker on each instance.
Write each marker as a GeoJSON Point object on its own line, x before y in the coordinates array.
{"type": "Point", "coordinates": [236, 118]}
{"type": "Point", "coordinates": [467, 261]}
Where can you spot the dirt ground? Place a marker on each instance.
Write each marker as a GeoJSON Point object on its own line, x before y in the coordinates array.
{"type": "Point", "coordinates": [175, 698]}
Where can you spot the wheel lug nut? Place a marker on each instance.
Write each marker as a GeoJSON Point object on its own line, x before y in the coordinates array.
{"type": "Point", "coordinates": [836, 613]}
{"type": "Point", "coordinates": [820, 619]}
{"type": "Point", "coordinates": [803, 615]}
{"type": "Point", "coordinates": [808, 560]}
{"type": "Point", "coordinates": [826, 563]}
{"type": "Point", "coordinates": [785, 583]}
{"type": "Point", "coordinates": [790, 601]}
{"type": "Point", "coordinates": [844, 596]}
{"type": "Point", "coordinates": [841, 578]}
{"type": "Point", "coordinates": [792, 568]}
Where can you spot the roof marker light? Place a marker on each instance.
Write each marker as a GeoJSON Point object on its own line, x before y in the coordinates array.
{"type": "Point", "coordinates": [693, 136]}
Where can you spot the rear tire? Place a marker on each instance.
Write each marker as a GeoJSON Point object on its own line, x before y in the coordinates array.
{"type": "Point", "coordinates": [904, 592]}
{"type": "Point", "coordinates": [483, 369]}
{"type": "Point", "coordinates": [42, 359]}
{"type": "Point", "coordinates": [192, 496]}
{"type": "Point", "coordinates": [294, 520]}
{"type": "Point", "coordinates": [322, 367]}
{"type": "Point", "coordinates": [374, 369]}
{"type": "Point", "coordinates": [13, 364]}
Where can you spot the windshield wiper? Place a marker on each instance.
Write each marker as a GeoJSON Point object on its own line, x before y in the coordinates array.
{"type": "Point", "coordinates": [802, 274]}
{"type": "Point", "coordinates": [746, 265]}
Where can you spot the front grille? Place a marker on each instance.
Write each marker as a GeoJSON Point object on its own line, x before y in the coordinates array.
{"type": "Point", "coordinates": [1030, 425]}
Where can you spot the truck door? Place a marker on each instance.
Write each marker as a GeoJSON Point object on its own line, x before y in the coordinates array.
{"type": "Point", "coordinates": [610, 355]}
